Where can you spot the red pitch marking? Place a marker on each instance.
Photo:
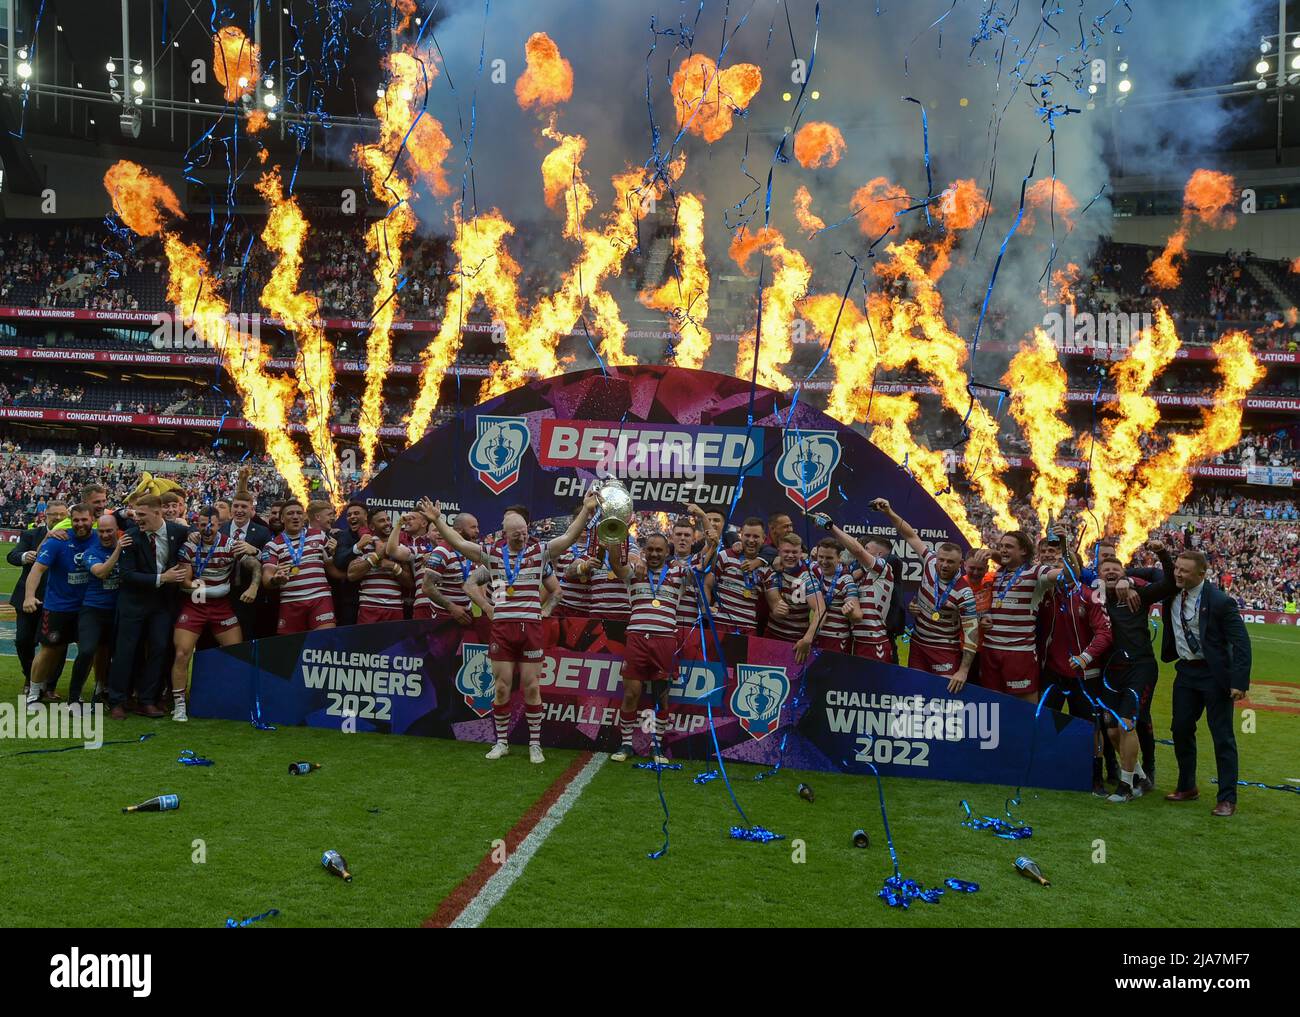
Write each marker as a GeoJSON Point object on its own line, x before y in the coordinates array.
{"type": "Point", "coordinates": [456, 901]}
{"type": "Point", "coordinates": [1277, 696]}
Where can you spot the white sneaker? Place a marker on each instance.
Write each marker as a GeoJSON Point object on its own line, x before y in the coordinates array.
{"type": "Point", "coordinates": [178, 711]}
{"type": "Point", "coordinates": [33, 699]}
{"type": "Point", "coordinates": [497, 751]}
{"type": "Point", "coordinates": [661, 760]}
{"type": "Point", "coordinates": [535, 754]}
{"type": "Point", "coordinates": [623, 754]}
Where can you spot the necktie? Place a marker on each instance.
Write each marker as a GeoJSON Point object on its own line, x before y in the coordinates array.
{"type": "Point", "coordinates": [1193, 643]}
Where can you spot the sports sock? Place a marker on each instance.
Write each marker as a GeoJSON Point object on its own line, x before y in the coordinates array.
{"type": "Point", "coordinates": [626, 725]}
{"type": "Point", "coordinates": [533, 711]}
{"type": "Point", "coordinates": [501, 716]}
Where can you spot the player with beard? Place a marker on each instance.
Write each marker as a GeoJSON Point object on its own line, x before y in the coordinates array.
{"type": "Point", "coordinates": [65, 588]}
{"type": "Point", "coordinates": [840, 595]}
{"type": "Point", "coordinates": [383, 581]}
{"type": "Point", "coordinates": [945, 635]}
{"type": "Point", "coordinates": [875, 582]}
{"type": "Point", "coordinates": [737, 580]}
{"type": "Point", "coordinates": [444, 570]}
{"type": "Point", "coordinates": [795, 605]}
{"type": "Point", "coordinates": [516, 566]}
{"type": "Point", "coordinates": [297, 564]}
{"type": "Point", "coordinates": [209, 565]}
{"type": "Point", "coordinates": [1130, 673]}
{"type": "Point", "coordinates": [274, 522]}
{"type": "Point", "coordinates": [656, 583]}
{"type": "Point", "coordinates": [410, 544]}
{"type": "Point", "coordinates": [1009, 655]}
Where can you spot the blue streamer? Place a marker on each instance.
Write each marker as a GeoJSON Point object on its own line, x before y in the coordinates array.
{"type": "Point", "coordinates": [189, 758]}
{"type": "Point", "coordinates": [243, 923]}
{"type": "Point", "coordinates": [1007, 830]}
{"type": "Point", "coordinates": [71, 748]}
{"type": "Point", "coordinates": [897, 891]}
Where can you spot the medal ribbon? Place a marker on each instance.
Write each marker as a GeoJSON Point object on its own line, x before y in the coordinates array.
{"type": "Point", "coordinates": [296, 555]}
{"type": "Point", "coordinates": [827, 590]}
{"type": "Point", "coordinates": [201, 560]}
{"type": "Point", "coordinates": [511, 569]}
{"type": "Point", "coordinates": [943, 598]}
{"type": "Point", "coordinates": [654, 587]}
{"type": "Point", "coordinates": [1002, 589]}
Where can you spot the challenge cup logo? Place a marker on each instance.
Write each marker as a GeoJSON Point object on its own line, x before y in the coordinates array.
{"type": "Point", "coordinates": [474, 679]}
{"type": "Point", "coordinates": [499, 450]}
{"type": "Point", "coordinates": [807, 465]}
{"type": "Point", "coordinates": [758, 697]}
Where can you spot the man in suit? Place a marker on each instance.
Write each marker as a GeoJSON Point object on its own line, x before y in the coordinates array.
{"type": "Point", "coordinates": [248, 537]}
{"type": "Point", "coordinates": [24, 553]}
{"type": "Point", "coordinates": [1206, 639]}
{"type": "Point", "coordinates": [146, 606]}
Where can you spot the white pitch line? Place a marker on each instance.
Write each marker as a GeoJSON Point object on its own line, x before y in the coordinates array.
{"type": "Point", "coordinates": [477, 910]}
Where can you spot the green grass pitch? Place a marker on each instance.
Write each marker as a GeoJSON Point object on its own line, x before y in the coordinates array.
{"type": "Point", "coordinates": [414, 816]}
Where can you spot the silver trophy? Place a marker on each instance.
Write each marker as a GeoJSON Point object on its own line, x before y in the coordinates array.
{"type": "Point", "coordinates": [615, 512]}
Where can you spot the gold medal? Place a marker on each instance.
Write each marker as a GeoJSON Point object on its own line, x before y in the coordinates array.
{"type": "Point", "coordinates": [997, 603]}
{"type": "Point", "coordinates": [934, 616]}
{"type": "Point", "coordinates": [294, 571]}
{"type": "Point", "coordinates": [655, 602]}
{"type": "Point", "coordinates": [749, 594]}
{"type": "Point", "coordinates": [510, 589]}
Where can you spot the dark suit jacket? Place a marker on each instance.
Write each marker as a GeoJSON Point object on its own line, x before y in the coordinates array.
{"type": "Point", "coordinates": [258, 535]}
{"type": "Point", "coordinates": [139, 593]}
{"type": "Point", "coordinates": [29, 541]}
{"type": "Point", "coordinates": [1222, 635]}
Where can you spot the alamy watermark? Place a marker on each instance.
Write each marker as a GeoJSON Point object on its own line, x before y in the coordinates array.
{"type": "Point", "coordinates": [176, 330]}
{"type": "Point", "coordinates": [1108, 330]}
{"type": "Point", "coordinates": [83, 722]}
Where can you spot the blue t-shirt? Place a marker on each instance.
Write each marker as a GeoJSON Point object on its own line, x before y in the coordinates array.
{"type": "Point", "coordinates": [65, 560]}
{"type": "Point", "coordinates": [100, 593]}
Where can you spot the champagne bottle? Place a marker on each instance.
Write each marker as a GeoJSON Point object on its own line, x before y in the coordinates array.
{"type": "Point", "coordinates": [1028, 868]}
{"type": "Point", "coordinates": [297, 769]}
{"type": "Point", "coordinates": [860, 839]}
{"type": "Point", "coordinates": [805, 792]}
{"type": "Point", "coordinates": [163, 803]}
{"type": "Point", "coordinates": [336, 865]}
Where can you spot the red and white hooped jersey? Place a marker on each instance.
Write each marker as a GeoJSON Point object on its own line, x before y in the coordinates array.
{"type": "Point", "coordinates": [379, 587]}
{"type": "Point", "coordinates": [450, 569]}
{"type": "Point", "coordinates": [1014, 609]}
{"type": "Point", "coordinates": [609, 598]}
{"type": "Point", "coordinates": [836, 590]}
{"type": "Point", "coordinates": [575, 592]}
{"type": "Point", "coordinates": [688, 609]}
{"type": "Point", "coordinates": [798, 590]}
{"type": "Point", "coordinates": [311, 581]}
{"type": "Point", "coordinates": [520, 598]}
{"type": "Point", "coordinates": [959, 603]}
{"type": "Point", "coordinates": [737, 593]}
{"type": "Point", "coordinates": [218, 563]}
{"type": "Point", "coordinates": [660, 618]}
{"type": "Point", "coordinates": [875, 587]}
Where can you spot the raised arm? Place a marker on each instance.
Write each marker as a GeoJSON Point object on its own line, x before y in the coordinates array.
{"type": "Point", "coordinates": [904, 529]}
{"type": "Point", "coordinates": [560, 544]}
{"type": "Point", "coordinates": [393, 550]}
{"type": "Point", "coordinates": [849, 544]}
{"type": "Point", "coordinates": [472, 551]}
{"type": "Point", "coordinates": [102, 570]}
